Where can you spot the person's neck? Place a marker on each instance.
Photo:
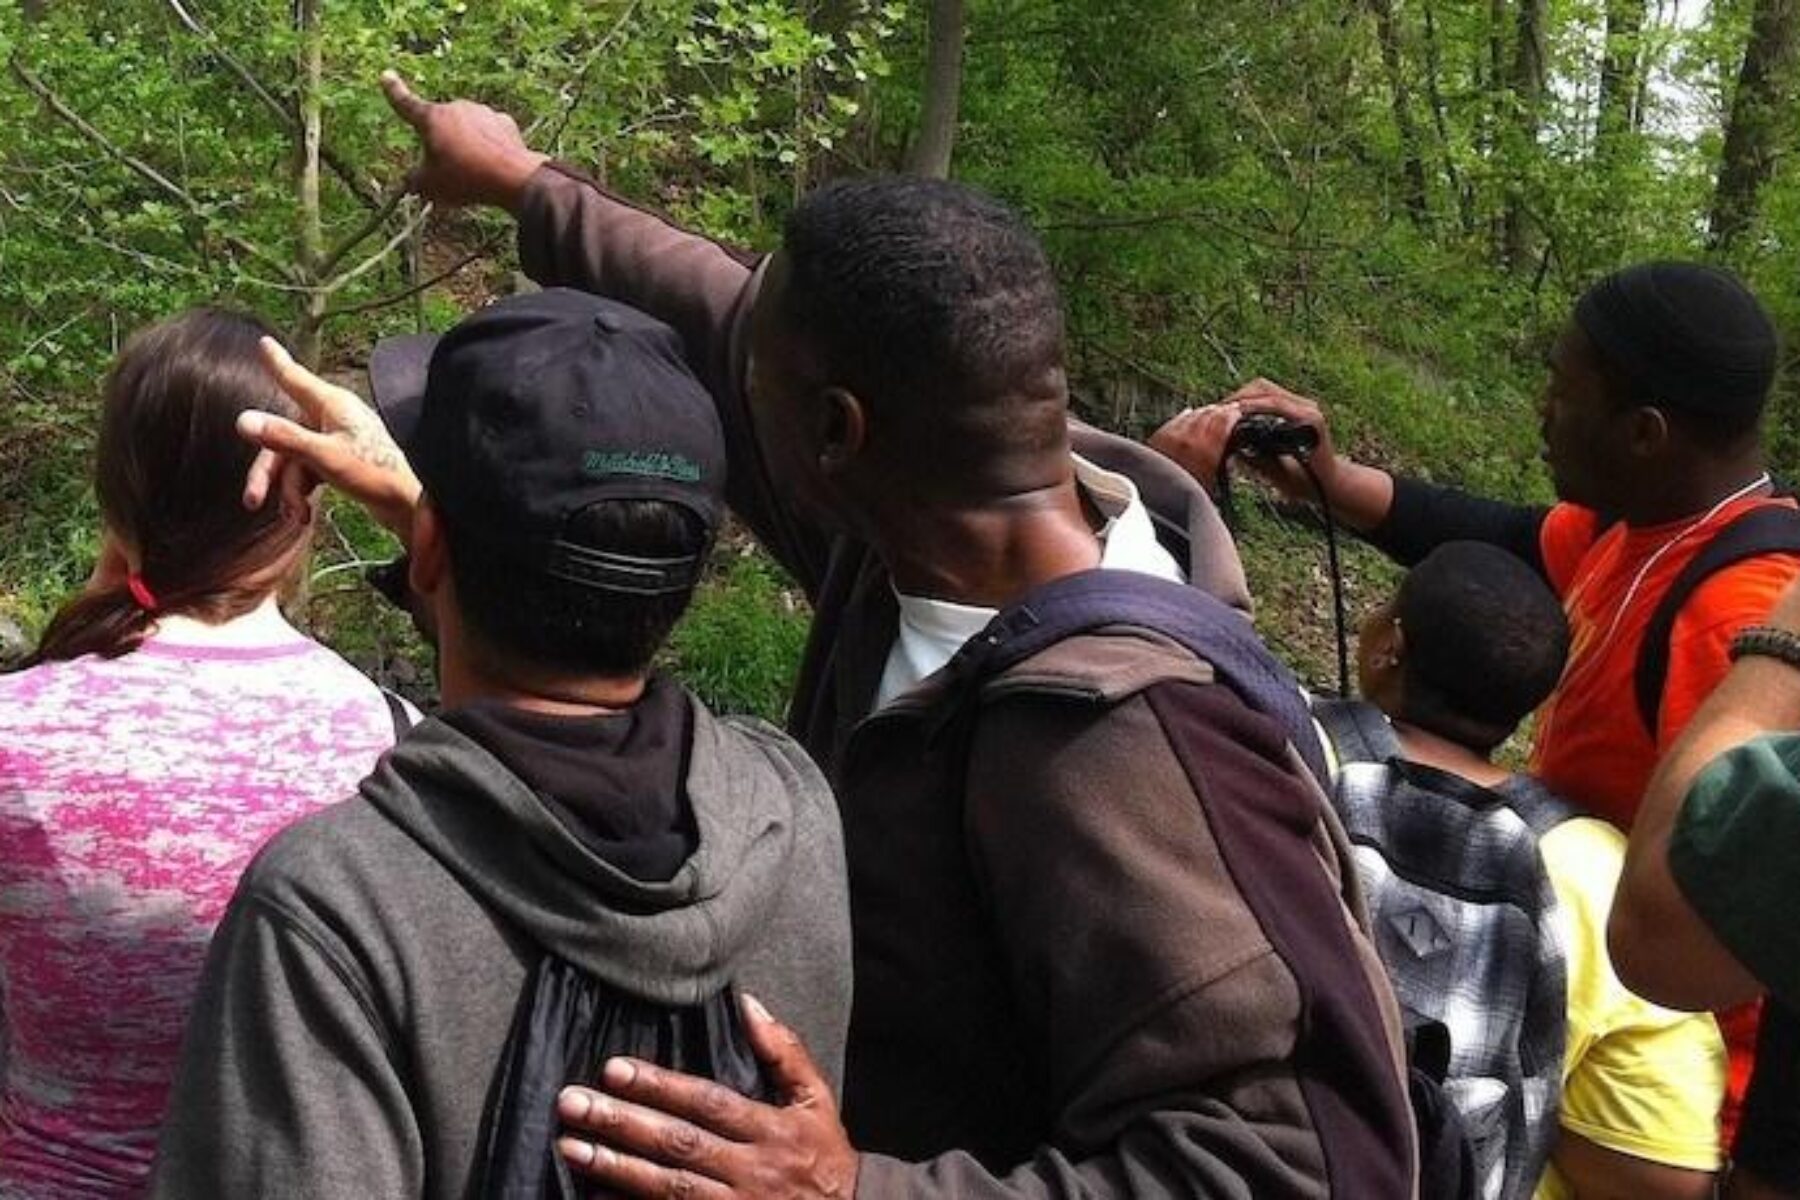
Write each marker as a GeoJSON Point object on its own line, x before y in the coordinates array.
{"type": "Point", "coordinates": [1698, 489]}
{"type": "Point", "coordinates": [261, 626]}
{"type": "Point", "coordinates": [462, 682]}
{"type": "Point", "coordinates": [988, 555]}
{"type": "Point", "coordinates": [1433, 750]}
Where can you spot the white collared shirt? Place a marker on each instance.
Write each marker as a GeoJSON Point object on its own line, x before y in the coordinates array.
{"type": "Point", "coordinates": [932, 631]}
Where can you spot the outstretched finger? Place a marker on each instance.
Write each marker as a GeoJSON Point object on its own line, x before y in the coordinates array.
{"type": "Point", "coordinates": [284, 444]}
{"type": "Point", "coordinates": [260, 479]}
{"type": "Point", "coordinates": [797, 1079]}
{"type": "Point", "coordinates": [319, 400]}
{"type": "Point", "coordinates": [404, 101]}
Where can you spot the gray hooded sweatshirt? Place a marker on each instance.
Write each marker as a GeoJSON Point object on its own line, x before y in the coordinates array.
{"type": "Point", "coordinates": [359, 993]}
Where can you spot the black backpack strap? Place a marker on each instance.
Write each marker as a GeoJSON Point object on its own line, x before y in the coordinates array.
{"type": "Point", "coordinates": [1540, 808]}
{"type": "Point", "coordinates": [1095, 599]}
{"type": "Point", "coordinates": [1770, 529]}
{"type": "Point", "coordinates": [1357, 730]}
{"type": "Point", "coordinates": [397, 713]}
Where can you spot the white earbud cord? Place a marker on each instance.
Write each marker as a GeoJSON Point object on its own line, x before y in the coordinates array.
{"type": "Point", "coordinates": [1643, 572]}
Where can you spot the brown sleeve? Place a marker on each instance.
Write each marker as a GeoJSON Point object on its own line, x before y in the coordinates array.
{"type": "Point", "coordinates": [1180, 955]}
{"type": "Point", "coordinates": [573, 233]}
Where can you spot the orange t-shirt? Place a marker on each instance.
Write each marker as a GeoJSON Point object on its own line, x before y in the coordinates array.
{"type": "Point", "coordinates": [1591, 745]}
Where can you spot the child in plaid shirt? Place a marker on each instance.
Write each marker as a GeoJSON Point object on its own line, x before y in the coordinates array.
{"type": "Point", "coordinates": [1470, 644]}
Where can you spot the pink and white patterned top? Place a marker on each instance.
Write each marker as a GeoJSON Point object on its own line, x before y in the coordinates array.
{"type": "Point", "coordinates": [133, 793]}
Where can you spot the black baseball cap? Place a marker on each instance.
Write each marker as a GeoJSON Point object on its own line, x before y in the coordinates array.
{"type": "Point", "coordinates": [543, 404]}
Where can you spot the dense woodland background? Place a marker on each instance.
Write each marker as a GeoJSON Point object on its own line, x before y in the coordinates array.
{"type": "Point", "coordinates": [1388, 204]}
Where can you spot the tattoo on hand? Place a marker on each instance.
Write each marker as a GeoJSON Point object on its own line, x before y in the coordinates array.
{"type": "Point", "coordinates": [372, 445]}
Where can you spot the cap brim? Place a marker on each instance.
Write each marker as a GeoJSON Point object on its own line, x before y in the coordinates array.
{"type": "Point", "coordinates": [398, 369]}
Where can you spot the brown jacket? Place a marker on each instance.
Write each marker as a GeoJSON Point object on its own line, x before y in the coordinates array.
{"type": "Point", "coordinates": [1112, 951]}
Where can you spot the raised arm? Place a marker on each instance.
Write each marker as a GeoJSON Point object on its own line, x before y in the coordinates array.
{"type": "Point", "coordinates": [1359, 495]}
{"type": "Point", "coordinates": [574, 233]}
{"type": "Point", "coordinates": [1404, 518]}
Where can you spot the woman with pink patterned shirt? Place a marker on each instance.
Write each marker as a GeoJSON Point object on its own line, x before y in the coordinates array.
{"type": "Point", "coordinates": [169, 723]}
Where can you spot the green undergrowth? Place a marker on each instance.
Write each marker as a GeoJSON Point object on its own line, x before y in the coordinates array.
{"type": "Point", "coordinates": [739, 645]}
{"type": "Point", "coordinates": [49, 527]}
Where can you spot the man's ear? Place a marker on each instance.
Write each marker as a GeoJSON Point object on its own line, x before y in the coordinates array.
{"type": "Point", "coordinates": [428, 556]}
{"type": "Point", "coordinates": [1647, 431]}
{"type": "Point", "coordinates": [843, 429]}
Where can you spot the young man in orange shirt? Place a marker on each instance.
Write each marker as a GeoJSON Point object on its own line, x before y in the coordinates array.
{"type": "Point", "coordinates": [1652, 433]}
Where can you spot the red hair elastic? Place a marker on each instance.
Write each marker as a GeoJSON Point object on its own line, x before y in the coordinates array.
{"type": "Point", "coordinates": [140, 591]}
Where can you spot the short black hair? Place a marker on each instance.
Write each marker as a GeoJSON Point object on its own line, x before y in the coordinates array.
{"type": "Point", "coordinates": [545, 625]}
{"type": "Point", "coordinates": [1486, 641]}
{"type": "Point", "coordinates": [931, 300]}
{"type": "Point", "coordinates": [1689, 339]}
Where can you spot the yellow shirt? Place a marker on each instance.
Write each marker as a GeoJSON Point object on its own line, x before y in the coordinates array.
{"type": "Point", "coordinates": [1637, 1079]}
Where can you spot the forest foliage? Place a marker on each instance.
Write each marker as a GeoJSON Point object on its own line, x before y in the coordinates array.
{"type": "Point", "coordinates": [1388, 203]}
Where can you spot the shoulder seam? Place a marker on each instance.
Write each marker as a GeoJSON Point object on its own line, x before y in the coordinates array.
{"type": "Point", "coordinates": [347, 974]}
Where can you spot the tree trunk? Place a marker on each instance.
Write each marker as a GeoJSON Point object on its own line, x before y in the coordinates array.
{"type": "Point", "coordinates": [930, 153]}
{"type": "Point", "coordinates": [1620, 63]}
{"type": "Point", "coordinates": [34, 9]}
{"type": "Point", "coordinates": [310, 78]}
{"type": "Point", "coordinates": [1491, 86]}
{"type": "Point", "coordinates": [1527, 95]}
{"type": "Point", "coordinates": [1434, 90]}
{"type": "Point", "coordinates": [1412, 164]}
{"type": "Point", "coordinates": [1646, 66]}
{"type": "Point", "coordinates": [1760, 117]}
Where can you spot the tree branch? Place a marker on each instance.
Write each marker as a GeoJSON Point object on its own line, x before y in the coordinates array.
{"type": "Point", "coordinates": [337, 283]}
{"type": "Point", "coordinates": [376, 220]}
{"type": "Point", "coordinates": [579, 90]}
{"type": "Point", "coordinates": [387, 207]}
{"type": "Point", "coordinates": [143, 169]}
{"type": "Point", "coordinates": [1143, 369]}
{"type": "Point", "coordinates": [480, 252]}
{"type": "Point", "coordinates": [76, 226]}
{"type": "Point", "coordinates": [1094, 223]}
{"type": "Point", "coordinates": [362, 189]}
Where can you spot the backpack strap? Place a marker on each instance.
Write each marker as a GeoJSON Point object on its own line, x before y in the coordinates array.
{"type": "Point", "coordinates": [1357, 730]}
{"type": "Point", "coordinates": [397, 713]}
{"type": "Point", "coordinates": [1768, 529]}
{"type": "Point", "coordinates": [1098, 598]}
{"type": "Point", "coordinates": [1540, 808]}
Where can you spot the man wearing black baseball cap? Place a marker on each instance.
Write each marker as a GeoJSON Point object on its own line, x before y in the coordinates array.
{"type": "Point", "coordinates": [574, 858]}
{"type": "Point", "coordinates": [1090, 956]}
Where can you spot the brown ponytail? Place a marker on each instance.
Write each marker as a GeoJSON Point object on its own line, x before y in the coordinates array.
{"type": "Point", "coordinates": [169, 473]}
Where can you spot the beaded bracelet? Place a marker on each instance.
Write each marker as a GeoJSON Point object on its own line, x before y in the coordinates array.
{"type": "Point", "coordinates": [1767, 641]}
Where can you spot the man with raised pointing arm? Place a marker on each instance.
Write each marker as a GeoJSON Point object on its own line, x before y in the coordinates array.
{"type": "Point", "coordinates": [1073, 976]}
